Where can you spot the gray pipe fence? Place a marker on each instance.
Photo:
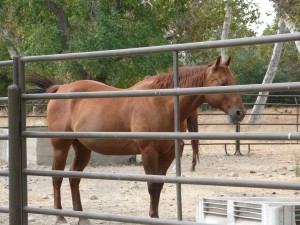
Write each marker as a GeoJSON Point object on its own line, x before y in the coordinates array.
{"type": "Point", "coordinates": [18, 202]}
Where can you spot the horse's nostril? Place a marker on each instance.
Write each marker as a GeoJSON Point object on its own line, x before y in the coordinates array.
{"type": "Point", "coordinates": [238, 112]}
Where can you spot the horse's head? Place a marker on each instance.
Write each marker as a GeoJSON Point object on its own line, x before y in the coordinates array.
{"type": "Point", "coordinates": [219, 74]}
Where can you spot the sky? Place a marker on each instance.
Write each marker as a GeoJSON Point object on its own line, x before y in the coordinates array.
{"type": "Point", "coordinates": [265, 6]}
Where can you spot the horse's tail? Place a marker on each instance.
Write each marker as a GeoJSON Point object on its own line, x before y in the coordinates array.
{"type": "Point", "coordinates": [41, 84]}
{"type": "Point", "coordinates": [192, 125]}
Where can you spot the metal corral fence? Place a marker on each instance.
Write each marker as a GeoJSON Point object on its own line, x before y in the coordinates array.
{"type": "Point", "coordinates": [283, 105]}
{"type": "Point", "coordinates": [280, 106]}
{"type": "Point", "coordinates": [18, 206]}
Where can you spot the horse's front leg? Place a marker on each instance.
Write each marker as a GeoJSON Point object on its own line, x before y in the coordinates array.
{"type": "Point", "coordinates": [156, 164]}
{"type": "Point", "coordinates": [150, 164]}
{"type": "Point", "coordinates": [154, 190]}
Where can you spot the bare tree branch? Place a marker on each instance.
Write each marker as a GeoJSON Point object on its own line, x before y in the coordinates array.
{"type": "Point", "coordinates": [147, 3]}
{"type": "Point", "coordinates": [81, 72]}
{"type": "Point", "coordinates": [92, 12]}
{"type": "Point", "coordinates": [62, 22]}
{"type": "Point", "coordinates": [117, 5]}
{"type": "Point", "coordinates": [225, 30]}
{"type": "Point", "coordinates": [259, 106]}
{"type": "Point", "coordinates": [292, 28]}
{"type": "Point", "coordinates": [8, 35]}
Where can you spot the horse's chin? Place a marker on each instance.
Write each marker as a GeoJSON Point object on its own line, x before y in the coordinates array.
{"type": "Point", "coordinates": [232, 120]}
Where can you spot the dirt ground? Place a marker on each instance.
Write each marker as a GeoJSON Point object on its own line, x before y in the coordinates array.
{"type": "Point", "coordinates": [275, 162]}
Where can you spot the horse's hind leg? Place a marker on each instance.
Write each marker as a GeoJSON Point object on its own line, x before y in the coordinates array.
{"type": "Point", "coordinates": [60, 152]}
{"type": "Point", "coordinates": [192, 126]}
{"type": "Point", "coordinates": [80, 160]}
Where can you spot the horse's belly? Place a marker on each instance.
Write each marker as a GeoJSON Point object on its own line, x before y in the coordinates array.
{"type": "Point", "coordinates": [111, 147]}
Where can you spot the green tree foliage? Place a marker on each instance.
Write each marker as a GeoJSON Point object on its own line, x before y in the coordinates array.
{"type": "Point", "coordinates": [202, 21]}
{"type": "Point", "coordinates": [289, 68]}
{"type": "Point", "coordinates": [291, 7]}
{"type": "Point", "coordinates": [54, 26]}
{"type": "Point", "coordinates": [48, 27]}
{"type": "Point", "coordinates": [247, 66]}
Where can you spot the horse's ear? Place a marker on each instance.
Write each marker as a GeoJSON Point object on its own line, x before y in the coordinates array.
{"type": "Point", "coordinates": [217, 63]}
{"type": "Point", "coordinates": [227, 62]}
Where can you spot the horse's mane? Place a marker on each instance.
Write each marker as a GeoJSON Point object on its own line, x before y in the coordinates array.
{"type": "Point", "coordinates": [188, 77]}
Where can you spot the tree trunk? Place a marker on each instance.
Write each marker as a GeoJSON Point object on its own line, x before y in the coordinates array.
{"type": "Point", "coordinates": [12, 50]}
{"type": "Point", "coordinates": [62, 22]}
{"type": "Point", "coordinates": [117, 5]}
{"type": "Point", "coordinates": [262, 98]}
{"type": "Point", "coordinates": [147, 3]}
{"type": "Point", "coordinates": [292, 28]}
{"type": "Point", "coordinates": [93, 11]}
{"type": "Point", "coordinates": [225, 30]}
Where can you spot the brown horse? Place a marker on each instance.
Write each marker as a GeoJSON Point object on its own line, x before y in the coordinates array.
{"type": "Point", "coordinates": [142, 114]}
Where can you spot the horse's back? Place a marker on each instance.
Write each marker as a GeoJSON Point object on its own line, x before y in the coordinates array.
{"type": "Point", "coordinates": [143, 84]}
{"type": "Point", "coordinates": [85, 86]}
{"type": "Point", "coordinates": [60, 112]}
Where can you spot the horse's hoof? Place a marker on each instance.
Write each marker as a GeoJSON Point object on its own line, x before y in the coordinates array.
{"type": "Point", "coordinates": [61, 221]}
{"type": "Point", "coordinates": [84, 222]}
{"type": "Point", "coordinates": [154, 215]}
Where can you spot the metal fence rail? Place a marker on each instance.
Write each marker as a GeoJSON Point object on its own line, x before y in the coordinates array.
{"type": "Point", "coordinates": [4, 173]}
{"type": "Point", "coordinates": [168, 179]}
{"type": "Point", "coordinates": [109, 217]}
{"type": "Point", "coordinates": [6, 63]}
{"type": "Point", "coordinates": [3, 99]}
{"type": "Point", "coordinates": [18, 172]}
{"type": "Point", "coordinates": [167, 48]}
{"type": "Point", "coordinates": [167, 135]}
{"type": "Point", "coordinates": [169, 92]}
{"type": "Point", "coordinates": [4, 210]}
{"type": "Point", "coordinates": [3, 136]}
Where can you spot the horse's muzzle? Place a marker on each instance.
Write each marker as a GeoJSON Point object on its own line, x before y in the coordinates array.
{"type": "Point", "coordinates": [236, 115]}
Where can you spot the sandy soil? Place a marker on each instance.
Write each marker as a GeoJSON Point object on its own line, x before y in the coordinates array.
{"type": "Point", "coordinates": [265, 162]}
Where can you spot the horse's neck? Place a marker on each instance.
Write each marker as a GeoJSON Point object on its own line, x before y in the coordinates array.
{"type": "Point", "coordinates": [189, 104]}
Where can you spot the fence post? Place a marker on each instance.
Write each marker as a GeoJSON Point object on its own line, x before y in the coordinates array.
{"type": "Point", "coordinates": [17, 146]}
{"type": "Point", "coordinates": [177, 129]}
{"type": "Point", "coordinates": [15, 155]}
{"type": "Point", "coordinates": [237, 142]}
{"type": "Point", "coordinates": [297, 115]}
{"type": "Point", "coordinates": [23, 144]}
